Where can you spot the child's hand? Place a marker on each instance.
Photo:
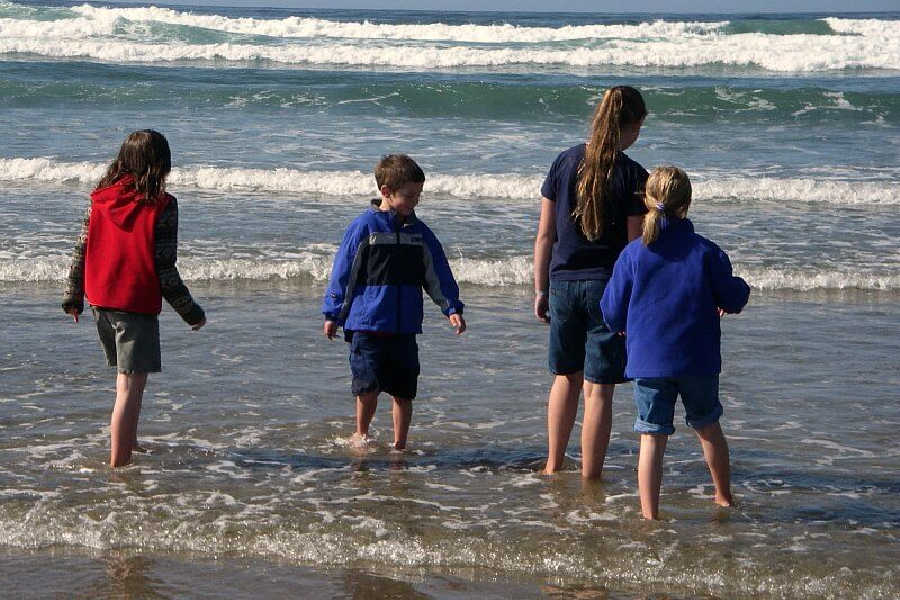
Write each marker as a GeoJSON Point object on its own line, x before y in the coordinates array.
{"type": "Point", "coordinates": [542, 306]}
{"type": "Point", "coordinates": [722, 312]}
{"type": "Point", "coordinates": [199, 324]}
{"type": "Point", "coordinates": [74, 312]}
{"type": "Point", "coordinates": [330, 329]}
{"type": "Point", "coordinates": [457, 321]}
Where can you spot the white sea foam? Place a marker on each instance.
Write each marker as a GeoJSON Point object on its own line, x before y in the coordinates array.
{"type": "Point", "coordinates": [786, 54]}
{"type": "Point", "coordinates": [884, 28]}
{"type": "Point", "coordinates": [315, 266]}
{"type": "Point", "coordinates": [122, 35]}
{"type": "Point", "coordinates": [484, 185]}
{"type": "Point", "coordinates": [306, 27]}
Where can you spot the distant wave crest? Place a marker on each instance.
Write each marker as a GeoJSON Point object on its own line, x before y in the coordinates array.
{"type": "Point", "coordinates": [152, 34]}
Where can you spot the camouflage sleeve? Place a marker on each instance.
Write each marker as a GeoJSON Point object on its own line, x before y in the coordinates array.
{"type": "Point", "coordinates": [173, 288]}
{"type": "Point", "coordinates": [73, 296]}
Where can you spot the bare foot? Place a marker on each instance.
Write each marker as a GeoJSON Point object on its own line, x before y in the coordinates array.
{"type": "Point", "coordinates": [723, 500]}
{"type": "Point", "coordinates": [359, 441]}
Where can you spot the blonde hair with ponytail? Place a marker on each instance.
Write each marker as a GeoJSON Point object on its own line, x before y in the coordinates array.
{"type": "Point", "coordinates": [621, 107]}
{"type": "Point", "coordinates": [667, 194]}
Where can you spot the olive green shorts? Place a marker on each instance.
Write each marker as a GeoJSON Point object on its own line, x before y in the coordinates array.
{"type": "Point", "coordinates": [129, 340]}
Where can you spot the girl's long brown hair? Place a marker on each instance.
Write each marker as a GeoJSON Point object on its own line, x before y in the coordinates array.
{"type": "Point", "coordinates": [621, 106]}
{"type": "Point", "coordinates": [144, 155]}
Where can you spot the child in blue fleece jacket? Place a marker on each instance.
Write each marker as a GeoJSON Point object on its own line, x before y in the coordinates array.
{"type": "Point", "coordinates": [667, 293]}
{"type": "Point", "coordinates": [386, 259]}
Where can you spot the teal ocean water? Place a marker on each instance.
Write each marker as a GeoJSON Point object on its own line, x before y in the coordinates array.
{"type": "Point", "coordinates": [789, 125]}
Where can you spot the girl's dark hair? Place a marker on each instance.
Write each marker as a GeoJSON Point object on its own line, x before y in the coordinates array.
{"type": "Point", "coordinates": [620, 107]}
{"type": "Point", "coordinates": [144, 155]}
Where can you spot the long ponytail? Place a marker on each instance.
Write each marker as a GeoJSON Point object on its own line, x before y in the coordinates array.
{"type": "Point", "coordinates": [667, 194]}
{"type": "Point", "coordinates": [620, 107]}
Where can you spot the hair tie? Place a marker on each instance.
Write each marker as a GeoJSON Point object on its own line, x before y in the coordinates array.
{"type": "Point", "coordinates": [660, 207]}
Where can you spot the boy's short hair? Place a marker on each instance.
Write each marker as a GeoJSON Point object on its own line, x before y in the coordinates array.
{"type": "Point", "coordinates": [396, 170]}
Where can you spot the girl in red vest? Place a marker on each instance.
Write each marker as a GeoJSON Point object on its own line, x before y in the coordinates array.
{"type": "Point", "coordinates": [124, 262]}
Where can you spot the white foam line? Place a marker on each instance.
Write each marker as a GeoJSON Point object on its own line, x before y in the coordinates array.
{"type": "Point", "coordinates": [800, 53]}
{"type": "Point", "coordinates": [484, 185]}
{"type": "Point", "coordinates": [306, 27]}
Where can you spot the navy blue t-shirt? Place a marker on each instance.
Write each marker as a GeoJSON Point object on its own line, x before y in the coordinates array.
{"type": "Point", "coordinates": [574, 257]}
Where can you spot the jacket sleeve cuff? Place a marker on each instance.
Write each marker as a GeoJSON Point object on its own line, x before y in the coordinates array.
{"type": "Point", "coordinates": [73, 303]}
{"type": "Point", "coordinates": [195, 315]}
{"type": "Point", "coordinates": [455, 309]}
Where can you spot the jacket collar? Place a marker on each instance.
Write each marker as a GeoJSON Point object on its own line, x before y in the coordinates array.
{"type": "Point", "coordinates": [395, 218]}
{"type": "Point", "coordinates": [669, 223]}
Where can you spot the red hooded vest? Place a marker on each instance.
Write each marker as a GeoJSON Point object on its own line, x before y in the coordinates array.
{"type": "Point", "coordinates": [120, 270]}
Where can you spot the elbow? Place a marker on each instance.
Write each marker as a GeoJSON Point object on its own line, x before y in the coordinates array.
{"type": "Point", "coordinates": [543, 240]}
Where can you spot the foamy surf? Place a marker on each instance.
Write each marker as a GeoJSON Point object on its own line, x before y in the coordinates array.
{"type": "Point", "coordinates": [315, 268]}
{"type": "Point", "coordinates": [474, 186]}
{"type": "Point", "coordinates": [146, 35]}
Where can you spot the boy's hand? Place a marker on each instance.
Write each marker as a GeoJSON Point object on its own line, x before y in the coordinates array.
{"type": "Point", "coordinates": [457, 321]}
{"type": "Point", "coordinates": [542, 306]}
{"type": "Point", "coordinates": [74, 312]}
{"type": "Point", "coordinates": [330, 329]}
{"type": "Point", "coordinates": [199, 324]}
{"type": "Point", "coordinates": [722, 312]}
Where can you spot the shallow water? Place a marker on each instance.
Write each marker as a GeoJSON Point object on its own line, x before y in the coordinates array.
{"type": "Point", "coordinates": [248, 459]}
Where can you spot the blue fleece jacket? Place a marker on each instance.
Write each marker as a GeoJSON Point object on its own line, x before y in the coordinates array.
{"type": "Point", "coordinates": [666, 297]}
{"type": "Point", "coordinates": [383, 264]}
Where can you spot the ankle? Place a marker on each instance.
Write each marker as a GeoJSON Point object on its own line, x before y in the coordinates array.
{"type": "Point", "coordinates": [724, 499]}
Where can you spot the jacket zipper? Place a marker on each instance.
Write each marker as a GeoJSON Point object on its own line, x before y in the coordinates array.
{"type": "Point", "coordinates": [399, 291]}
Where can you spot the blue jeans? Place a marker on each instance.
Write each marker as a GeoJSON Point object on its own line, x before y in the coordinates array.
{"type": "Point", "coordinates": [579, 339]}
{"type": "Point", "coordinates": [655, 400]}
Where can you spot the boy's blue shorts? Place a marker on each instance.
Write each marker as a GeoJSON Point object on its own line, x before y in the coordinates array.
{"type": "Point", "coordinates": [384, 363]}
{"type": "Point", "coordinates": [579, 339]}
{"type": "Point", "coordinates": [655, 400]}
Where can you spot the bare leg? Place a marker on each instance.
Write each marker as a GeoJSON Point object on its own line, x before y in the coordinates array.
{"type": "Point", "coordinates": [134, 426]}
{"type": "Point", "coordinates": [562, 406]}
{"type": "Point", "coordinates": [129, 388]}
{"type": "Point", "coordinates": [402, 418]}
{"type": "Point", "coordinates": [653, 447]}
{"type": "Point", "coordinates": [365, 410]}
{"type": "Point", "coordinates": [597, 427]}
{"type": "Point", "coordinates": [715, 450]}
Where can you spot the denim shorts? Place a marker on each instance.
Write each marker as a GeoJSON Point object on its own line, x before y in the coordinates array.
{"type": "Point", "coordinates": [579, 339]}
{"type": "Point", "coordinates": [655, 400]}
{"type": "Point", "coordinates": [129, 340]}
{"type": "Point", "coordinates": [384, 363]}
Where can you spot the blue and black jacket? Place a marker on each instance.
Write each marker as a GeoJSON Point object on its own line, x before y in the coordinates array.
{"type": "Point", "coordinates": [380, 270]}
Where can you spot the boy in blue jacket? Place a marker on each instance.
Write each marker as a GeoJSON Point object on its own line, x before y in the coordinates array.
{"type": "Point", "coordinates": [387, 257]}
{"type": "Point", "coordinates": [667, 293]}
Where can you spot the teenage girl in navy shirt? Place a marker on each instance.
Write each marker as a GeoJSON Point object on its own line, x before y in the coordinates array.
{"type": "Point", "coordinates": [592, 206]}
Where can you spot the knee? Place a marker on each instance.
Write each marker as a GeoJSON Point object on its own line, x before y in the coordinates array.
{"type": "Point", "coordinates": [570, 380]}
{"type": "Point", "coordinates": [710, 432]}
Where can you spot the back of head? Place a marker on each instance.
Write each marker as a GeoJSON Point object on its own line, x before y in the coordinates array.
{"type": "Point", "coordinates": [144, 155]}
{"type": "Point", "coordinates": [396, 170]}
{"type": "Point", "coordinates": [667, 194]}
{"type": "Point", "coordinates": [621, 107]}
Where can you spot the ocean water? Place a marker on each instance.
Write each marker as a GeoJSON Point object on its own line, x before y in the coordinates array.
{"type": "Point", "coordinates": [789, 126]}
